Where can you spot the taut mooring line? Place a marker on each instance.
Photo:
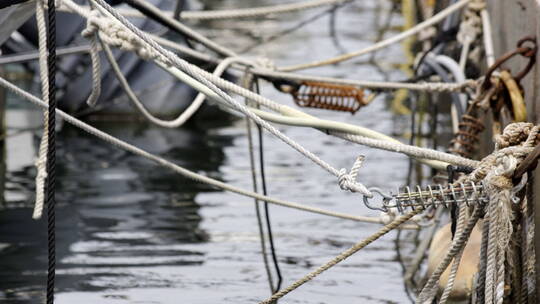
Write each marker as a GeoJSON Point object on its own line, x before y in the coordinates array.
{"type": "Point", "coordinates": [51, 150]}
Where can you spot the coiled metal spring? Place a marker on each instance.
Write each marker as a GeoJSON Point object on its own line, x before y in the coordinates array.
{"type": "Point", "coordinates": [464, 141]}
{"type": "Point", "coordinates": [432, 196]}
{"type": "Point", "coordinates": [328, 96]}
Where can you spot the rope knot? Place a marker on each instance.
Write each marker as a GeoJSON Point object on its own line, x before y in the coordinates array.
{"type": "Point", "coordinates": [347, 180]}
{"type": "Point", "coordinates": [92, 26]}
{"type": "Point", "coordinates": [513, 134]}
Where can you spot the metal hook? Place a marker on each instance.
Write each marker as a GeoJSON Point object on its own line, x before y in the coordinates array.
{"type": "Point", "coordinates": [386, 198]}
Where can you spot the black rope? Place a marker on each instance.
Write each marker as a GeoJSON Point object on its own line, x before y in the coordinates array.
{"type": "Point", "coordinates": [51, 150]}
{"type": "Point", "coordinates": [266, 209]}
{"type": "Point", "coordinates": [159, 19]}
{"type": "Point", "coordinates": [180, 5]}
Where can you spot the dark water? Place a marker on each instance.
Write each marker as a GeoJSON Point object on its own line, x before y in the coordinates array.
{"type": "Point", "coordinates": [130, 231]}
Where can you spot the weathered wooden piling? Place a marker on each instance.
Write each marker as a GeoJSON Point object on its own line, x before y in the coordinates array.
{"type": "Point", "coordinates": [511, 21]}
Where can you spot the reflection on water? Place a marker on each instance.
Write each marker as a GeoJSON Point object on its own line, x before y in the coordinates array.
{"type": "Point", "coordinates": [130, 231]}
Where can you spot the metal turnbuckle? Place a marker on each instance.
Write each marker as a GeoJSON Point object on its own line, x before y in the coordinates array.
{"type": "Point", "coordinates": [432, 196]}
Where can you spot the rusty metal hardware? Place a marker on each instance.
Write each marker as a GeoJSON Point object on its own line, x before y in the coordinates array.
{"type": "Point", "coordinates": [328, 96]}
{"type": "Point", "coordinates": [465, 140]}
{"type": "Point", "coordinates": [525, 51]}
{"type": "Point", "coordinates": [515, 96]}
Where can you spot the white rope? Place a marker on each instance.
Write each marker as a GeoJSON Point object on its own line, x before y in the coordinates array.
{"type": "Point", "coordinates": [433, 158]}
{"type": "Point", "coordinates": [382, 44]}
{"type": "Point", "coordinates": [201, 75]}
{"type": "Point", "coordinates": [459, 76]}
{"type": "Point", "coordinates": [421, 86]}
{"type": "Point", "coordinates": [197, 102]}
{"type": "Point", "coordinates": [457, 260]}
{"type": "Point", "coordinates": [41, 162]}
{"type": "Point", "coordinates": [182, 118]}
{"type": "Point", "coordinates": [488, 38]}
{"type": "Point", "coordinates": [242, 12]}
{"type": "Point", "coordinates": [181, 170]}
{"type": "Point", "coordinates": [469, 29]}
{"type": "Point", "coordinates": [90, 33]}
{"type": "Point", "coordinates": [156, 52]}
{"type": "Point", "coordinates": [428, 292]}
{"type": "Point", "coordinates": [347, 180]}
{"type": "Point", "coordinates": [186, 30]}
{"type": "Point", "coordinates": [185, 50]}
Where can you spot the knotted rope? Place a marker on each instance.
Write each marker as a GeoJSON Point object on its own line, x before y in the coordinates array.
{"type": "Point", "coordinates": [495, 172]}
{"type": "Point", "coordinates": [347, 180]}
{"type": "Point", "coordinates": [91, 33]}
{"type": "Point", "coordinates": [41, 162]}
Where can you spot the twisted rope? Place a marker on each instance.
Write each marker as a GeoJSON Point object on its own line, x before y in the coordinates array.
{"type": "Point", "coordinates": [379, 85]}
{"type": "Point", "coordinates": [243, 12]}
{"type": "Point", "coordinates": [416, 152]}
{"type": "Point", "coordinates": [51, 151]}
{"type": "Point", "coordinates": [382, 44]}
{"type": "Point", "coordinates": [394, 224]}
{"type": "Point", "coordinates": [156, 52]}
{"type": "Point", "coordinates": [160, 54]}
{"type": "Point", "coordinates": [481, 279]}
{"type": "Point", "coordinates": [41, 163]}
{"type": "Point", "coordinates": [180, 170]}
{"type": "Point", "coordinates": [428, 292]}
{"type": "Point", "coordinates": [457, 259]}
{"type": "Point", "coordinates": [90, 33]}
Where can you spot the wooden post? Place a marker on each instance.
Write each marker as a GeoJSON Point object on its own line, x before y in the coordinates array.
{"type": "Point", "coordinates": [513, 20]}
